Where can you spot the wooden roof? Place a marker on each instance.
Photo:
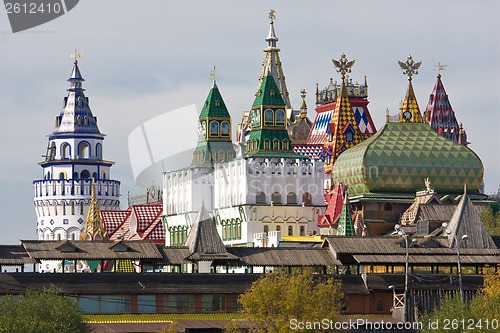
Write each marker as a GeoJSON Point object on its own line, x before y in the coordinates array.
{"type": "Point", "coordinates": [14, 255]}
{"type": "Point", "coordinates": [255, 256]}
{"type": "Point", "coordinates": [85, 250]}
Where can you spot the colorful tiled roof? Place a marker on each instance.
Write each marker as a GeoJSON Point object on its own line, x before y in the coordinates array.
{"type": "Point", "coordinates": [346, 226]}
{"type": "Point", "coordinates": [147, 214]}
{"type": "Point", "coordinates": [335, 202]}
{"type": "Point", "coordinates": [114, 219]}
{"type": "Point", "coordinates": [440, 114]}
{"type": "Point", "coordinates": [401, 155]}
{"type": "Point", "coordinates": [410, 112]}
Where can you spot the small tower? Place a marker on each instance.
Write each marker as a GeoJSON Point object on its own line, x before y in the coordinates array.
{"type": "Point", "coordinates": [299, 130]}
{"type": "Point", "coordinates": [269, 136]}
{"type": "Point", "coordinates": [409, 111]}
{"type": "Point", "coordinates": [439, 113]}
{"type": "Point", "coordinates": [346, 226]}
{"type": "Point", "coordinates": [74, 157]}
{"type": "Point", "coordinates": [214, 132]}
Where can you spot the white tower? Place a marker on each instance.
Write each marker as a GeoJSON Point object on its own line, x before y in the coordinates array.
{"type": "Point", "coordinates": [73, 159]}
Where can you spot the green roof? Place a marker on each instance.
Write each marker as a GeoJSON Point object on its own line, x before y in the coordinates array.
{"type": "Point", "coordinates": [214, 106]}
{"type": "Point", "coordinates": [268, 94]}
{"type": "Point", "coordinates": [400, 156]}
{"type": "Point", "coordinates": [260, 135]}
{"type": "Point", "coordinates": [204, 148]}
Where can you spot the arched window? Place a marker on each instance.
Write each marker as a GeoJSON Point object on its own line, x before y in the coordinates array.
{"type": "Point", "coordinates": [266, 229]}
{"type": "Point", "coordinates": [63, 204]}
{"type": "Point", "coordinates": [48, 175]}
{"type": "Point", "coordinates": [85, 174]}
{"type": "Point", "coordinates": [72, 207]}
{"type": "Point", "coordinates": [302, 230]}
{"type": "Point", "coordinates": [62, 176]}
{"type": "Point", "coordinates": [81, 207]}
{"type": "Point", "coordinates": [307, 198]}
{"type": "Point", "coordinates": [278, 228]}
{"type": "Point", "coordinates": [214, 128]}
{"type": "Point", "coordinates": [260, 198]}
{"type": "Point", "coordinates": [280, 118]}
{"type": "Point", "coordinates": [104, 175]}
{"type": "Point", "coordinates": [291, 198]}
{"type": "Point", "coordinates": [276, 198]}
{"type": "Point", "coordinates": [83, 150]}
{"type": "Point", "coordinates": [98, 151]}
{"type": "Point", "coordinates": [75, 175]}
{"type": "Point", "coordinates": [267, 144]}
{"type": "Point", "coordinates": [94, 175]}
{"type": "Point", "coordinates": [65, 151]}
{"type": "Point", "coordinates": [290, 230]}
{"type": "Point", "coordinates": [269, 117]}
{"type": "Point", "coordinates": [224, 128]}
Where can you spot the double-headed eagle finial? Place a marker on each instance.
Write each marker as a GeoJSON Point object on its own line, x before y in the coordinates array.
{"type": "Point", "coordinates": [410, 67]}
{"type": "Point", "coordinates": [272, 15]}
{"type": "Point", "coordinates": [343, 65]}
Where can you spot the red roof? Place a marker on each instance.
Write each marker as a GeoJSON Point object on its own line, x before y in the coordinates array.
{"type": "Point", "coordinates": [335, 200]}
{"type": "Point", "coordinates": [114, 219]}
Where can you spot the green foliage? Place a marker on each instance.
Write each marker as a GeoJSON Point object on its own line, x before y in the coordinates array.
{"type": "Point", "coordinates": [40, 312]}
{"type": "Point", "coordinates": [276, 298]}
{"type": "Point", "coordinates": [491, 221]}
{"type": "Point", "coordinates": [481, 315]}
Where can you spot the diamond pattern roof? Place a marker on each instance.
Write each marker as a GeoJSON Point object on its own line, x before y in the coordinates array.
{"type": "Point", "coordinates": [147, 214]}
{"type": "Point", "coordinates": [113, 219]}
{"type": "Point", "coordinates": [401, 155]}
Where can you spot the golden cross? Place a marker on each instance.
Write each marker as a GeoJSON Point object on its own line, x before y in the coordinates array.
{"type": "Point", "coordinates": [343, 65]}
{"type": "Point", "coordinates": [410, 67]}
{"type": "Point", "coordinates": [272, 15]}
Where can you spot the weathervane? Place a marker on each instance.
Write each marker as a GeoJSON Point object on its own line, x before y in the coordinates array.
{"type": "Point", "coordinates": [343, 65]}
{"type": "Point", "coordinates": [303, 93]}
{"type": "Point", "coordinates": [272, 15]}
{"type": "Point", "coordinates": [76, 55]}
{"type": "Point", "coordinates": [410, 67]}
{"type": "Point", "coordinates": [440, 68]}
{"type": "Point", "coordinates": [212, 74]}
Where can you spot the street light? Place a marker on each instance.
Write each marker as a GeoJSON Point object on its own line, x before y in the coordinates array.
{"type": "Point", "coordinates": [459, 266]}
{"type": "Point", "coordinates": [403, 234]}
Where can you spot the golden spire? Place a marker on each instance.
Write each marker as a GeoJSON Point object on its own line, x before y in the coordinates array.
{"type": "Point", "coordinates": [343, 65]}
{"type": "Point", "coordinates": [93, 228]}
{"type": "Point", "coordinates": [410, 67]}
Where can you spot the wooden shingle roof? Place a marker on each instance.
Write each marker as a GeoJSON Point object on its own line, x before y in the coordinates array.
{"type": "Point", "coordinates": [13, 255]}
{"type": "Point", "coordinates": [282, 256]}
{"type": "Point", "coordinates": [85, 250]}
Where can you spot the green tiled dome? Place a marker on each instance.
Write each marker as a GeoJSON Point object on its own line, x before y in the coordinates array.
{"type": "Point", "coordinates": [401, 155]}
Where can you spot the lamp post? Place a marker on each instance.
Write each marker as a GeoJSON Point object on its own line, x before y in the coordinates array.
{"type": "Point", "coordinates": [459, 265]}
{"type": "Point", "coordinates": [403, 234]}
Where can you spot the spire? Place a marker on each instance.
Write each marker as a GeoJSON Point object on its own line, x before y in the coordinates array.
{"type": "Point", "coordinates": [299, 130]}
{"type": "Point", "coordinates": [346, 226]}
{"type": "Point", "coordinates": [439, 113]}
{"type": "Point", "coordinates": [303, 106]}
{"type": "Point", "coordinates": [272, 63]}
{"type": "Point", "coordinates": [94, 228]}
{"type": "Point", "coordinates": [76, 116]}
{"type": "Point", "coordinates": [409, 112]}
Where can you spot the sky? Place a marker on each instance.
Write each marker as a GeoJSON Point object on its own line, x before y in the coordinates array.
{"type": "Point", "coordinates": [142, 59]}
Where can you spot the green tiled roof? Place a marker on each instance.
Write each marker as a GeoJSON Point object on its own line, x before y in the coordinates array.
{"type": "Point", "coordinates": [262, 134]}
{"type": "Point", "coordinates": [214, 106]}
{"type": "Point", "coordinates": [401, 155]}
{"type": "Point", "coordinates": [206, 147]}
{"type": "Point", "coordinates": [268, 93]}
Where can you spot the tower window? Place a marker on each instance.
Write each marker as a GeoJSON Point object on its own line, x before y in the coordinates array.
{"type": "Point", "coordinates": [85, 174]}
{"type": "Point", "coordinates": [280, 118]}
{"type": "Point", "coordinates": [224, 128]}
{"type": "Point", "coordinates": [267, 144]}
{"type": "Point", "coordinates": [62, 176]}
{"type": "Point", "coordinates": [83, 150]}
{"type": "Point", "coordinates": [290, 230]}
{"type": "Point", "coordinates": [269, 117]}
{"type": "Point", "coordinates": [276, 144]}
{"type": "Point", "coordinates": [285, 145]}
{"type": "Point", "coordinates": [214, 128]}
{"type": "Point", "coordinates": [98, 151]}
{"type": "Point", "coordinates": [65, 151]}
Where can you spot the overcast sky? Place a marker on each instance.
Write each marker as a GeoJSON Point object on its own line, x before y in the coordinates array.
{"type": "Point", "coordinates": [145, 58]}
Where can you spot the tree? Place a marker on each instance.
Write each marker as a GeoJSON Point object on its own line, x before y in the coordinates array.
{"type": "Point", "coordinates": [491, 220]}
{"type": "Point", "coordinates": [40, 312]}
{"type": "Point", "coordinates": [280, 302]}
{"type": "Point", "coordinates": [481, 315]}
